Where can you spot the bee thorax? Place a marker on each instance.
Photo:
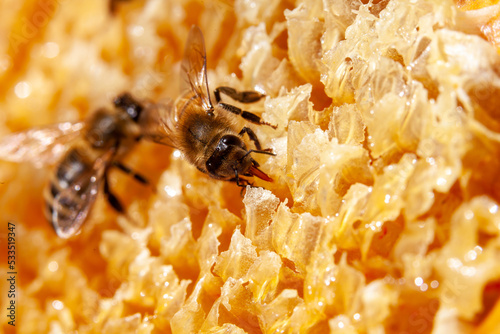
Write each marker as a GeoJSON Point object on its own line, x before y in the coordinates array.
{"type": "Point", "coordinates": [102, 129]}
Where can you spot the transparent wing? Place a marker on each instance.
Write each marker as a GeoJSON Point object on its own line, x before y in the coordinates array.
{"type": "Point", "coordinates": [44, 145]}
{"type": "Point", "coordinates": [157, 122]}
{"type": "Point", "coordinates": [73, 204]}
{"type": "Point", "coordinates": [194, 68]}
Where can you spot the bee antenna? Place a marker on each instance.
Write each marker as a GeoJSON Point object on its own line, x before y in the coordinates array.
{"type": "Point", "coordinates": [258, 151]}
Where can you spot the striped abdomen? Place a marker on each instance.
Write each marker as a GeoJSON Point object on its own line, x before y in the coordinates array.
{"type": "Point", "coordinates": [67, 193]}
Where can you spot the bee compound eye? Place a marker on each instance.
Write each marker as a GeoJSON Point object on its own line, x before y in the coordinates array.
{"type": "Point", "coordinates": [231, 140]}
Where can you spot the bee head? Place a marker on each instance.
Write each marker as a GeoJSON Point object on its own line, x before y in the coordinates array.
{"type": "Point", "coordinates": [231, 159]}
{"type": "Point", "coordinates": [128, 104]}
{"type": "Point", "coordinates": [230, 155]}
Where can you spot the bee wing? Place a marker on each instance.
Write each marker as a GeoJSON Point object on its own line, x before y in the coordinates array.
{"type": "Point", "coordinates": [39, 145]}
{"type": "Point", "coordinates": [157, 122]}
{"type": "Point", "coordinates": [73, 204]}
{"type": "Point", "coordinates": [194, 68]}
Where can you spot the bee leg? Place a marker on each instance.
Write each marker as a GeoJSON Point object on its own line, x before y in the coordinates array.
{"type": "Point", "coordinates": [248, 96]}
{"type": "Point", "coordinates": [245, 114]}
{"type": "Point", "coordinates": [127, 170]}
{"type": "Point", "coordinates": [243, 183]}
{"type": "Point", "coordinates": [112, 199]}
{"type": "Point", "coordinates": [239, 181]}
{"type": "Point", "coordinates": [253, 137]}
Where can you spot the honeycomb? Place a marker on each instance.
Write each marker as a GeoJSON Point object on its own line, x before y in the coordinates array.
{"type": "Point", "coordinates": [383, 216]}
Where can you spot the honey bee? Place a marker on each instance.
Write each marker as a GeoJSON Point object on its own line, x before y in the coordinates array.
{"type": "Point", "coordinates": [84, 153]}
{"type": "Point", "coordinates": [207, 133]}
{"type": "Point", "coordinates": [113, 5]}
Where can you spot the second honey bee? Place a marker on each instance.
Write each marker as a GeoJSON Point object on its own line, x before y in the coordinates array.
{"type": "Point", "coordinates": [83, 152]}
{"type": "Point", "coordinates": [207, 133]}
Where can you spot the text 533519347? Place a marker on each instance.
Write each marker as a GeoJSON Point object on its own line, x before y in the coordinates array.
{"type": "Point", "coordinates": [11, 273]}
